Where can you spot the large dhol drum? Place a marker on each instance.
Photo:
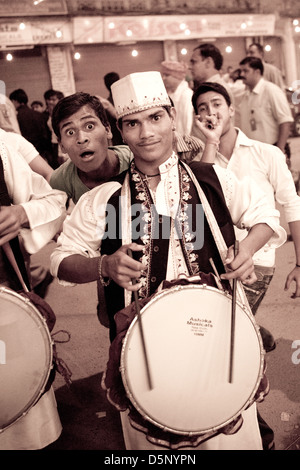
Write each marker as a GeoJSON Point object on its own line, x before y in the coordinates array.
{"type": "Point", "coordinates": [25, 356]}
{"type": "Point", "coordinates": [187, 331]}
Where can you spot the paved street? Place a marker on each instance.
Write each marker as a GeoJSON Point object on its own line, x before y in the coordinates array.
{"type": "Point", "coordinates": [90, 422]}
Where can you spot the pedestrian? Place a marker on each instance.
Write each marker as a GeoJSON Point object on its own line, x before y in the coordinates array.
{"type": "Point", "coordinates": [37, 105]}
{"type": "Point", "coordinates": [40, 276]}
{"type": "Point", "coordinates": [158, 180]}
{"type": "Point", "coordinates": [82, 129]}
{"type": "Point", "coordinates": [205, 65]}
{"type": "Point", "coordinates": [52, 97]}
{"type": "Point", "coordinates": [32, 123]}
{"type": "Point", "coordinates": [32, 210]}
{"type": "Point", "coordinates": [264, 112]}
{"type": "Point", "coordinates": [174, 77]}
{"type": "Point", "coordinates": [271, 72]}
{"type": "Point", "coordinates": [265, 164]}
{"type": "Point", "coordinates": [109, 79]}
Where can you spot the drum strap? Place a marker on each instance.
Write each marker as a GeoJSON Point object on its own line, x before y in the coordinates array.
{"type": "Point", "coordinates": [14, 243]}
{"type": "Point", "coordinates": [215, 229]}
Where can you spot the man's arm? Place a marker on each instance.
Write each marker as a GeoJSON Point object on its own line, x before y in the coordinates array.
{"type": "Point", "coordinates": [284, 132]}
{"type": "Point", "coordinates": [241, 266]}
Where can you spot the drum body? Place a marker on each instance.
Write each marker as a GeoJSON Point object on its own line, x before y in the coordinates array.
{"type": "Point", "coordinates": [25, 356]}
{"type": "Point", "coordinates": [187, 332]}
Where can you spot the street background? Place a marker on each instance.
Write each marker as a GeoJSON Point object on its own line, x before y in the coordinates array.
{"type": "Point", "coordinates": [91, 423]}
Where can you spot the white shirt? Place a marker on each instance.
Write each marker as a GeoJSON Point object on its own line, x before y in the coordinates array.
{"type": "Point", "coordinates": [266, 165]}
{"type": "Point", "coordinates": [44, 206]}
{"type": "Point", "coordinates": [83, 230]}
{"type": "Point", "coordinates": [262, 110]}
{"type": "Point", "coordinates": [19, 143]}
{"type": "Point", "coordinates": [182, 99]}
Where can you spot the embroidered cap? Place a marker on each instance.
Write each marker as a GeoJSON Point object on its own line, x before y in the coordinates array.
{"type": "Point", "coordinates": [139, 91]}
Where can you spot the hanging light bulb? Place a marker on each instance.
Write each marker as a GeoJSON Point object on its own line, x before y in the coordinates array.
{"type": "Point", "coordinates": [9, 57]}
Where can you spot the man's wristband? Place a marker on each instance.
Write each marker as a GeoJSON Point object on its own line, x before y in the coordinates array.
{"type": "Point", "coordinates": [214, 143]}
{"type": "Point", "coordinates": [103, 282]}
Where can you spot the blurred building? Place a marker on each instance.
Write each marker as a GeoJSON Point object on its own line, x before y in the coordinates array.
{"type": "Point", "coordinates": [70, 45]}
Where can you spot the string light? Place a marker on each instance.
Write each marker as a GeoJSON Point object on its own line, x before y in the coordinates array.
{"type": "Point", "coordinates": [134, 53]}
{"type": "Point", "coordinates": [77, 55]}
{"type": "Point", "coordinates": [228, 49]}
{"type": "Point", "coordinates": [268, 48]}
{"type": "Point", "coordinates": [183, 51]}
{"type": "Point", "coordinates": [9, 57]}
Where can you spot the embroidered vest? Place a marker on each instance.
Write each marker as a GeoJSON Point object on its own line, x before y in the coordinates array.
{"type": "Point", "coordinates": [156, 247]}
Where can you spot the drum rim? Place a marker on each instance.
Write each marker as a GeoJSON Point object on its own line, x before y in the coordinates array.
{"type": "Point", "coordinates": [129, 393]}
{"type": "Point", "coordinates": [37, 395]}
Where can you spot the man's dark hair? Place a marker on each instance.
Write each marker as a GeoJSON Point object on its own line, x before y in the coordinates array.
{"type": "Point", "coordinates": [253, 62]}
{"type": "Point", "coordinates": [71, 104]}
{"type": "Point", "coordinates": [19, 95]}
{"type": "Point", "coordinates": [49, 93]}
{"type": "Point", "coordinates": [37, 102]}
{"type": "Point", "coordinates": [209, 50]}
{"type": "Point", "coordinates": [258, 46]}
{"type": "Point", "coordinates": [111, 78]}
{"type": "Point", "coordinates": [209, 86]}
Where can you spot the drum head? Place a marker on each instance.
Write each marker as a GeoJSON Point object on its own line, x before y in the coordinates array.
{"type": "Point", "coordinates": [187, 336]}
{"type": "Point", "coordinates": [25, 356]}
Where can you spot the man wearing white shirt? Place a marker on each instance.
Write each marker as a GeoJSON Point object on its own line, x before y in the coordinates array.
{"type": "Point", "coordinates": [271, 72]}
{"type": "Point", "coordinates": [264, 112]}
{"type": "Point", "coordinates": [174, 77]}
{"type": "Point", "coordinates": [31, 209]}
{"type": "Point", "coordinates": [262, 162]}
{"type": "Point", "coordinates": [91, 247]}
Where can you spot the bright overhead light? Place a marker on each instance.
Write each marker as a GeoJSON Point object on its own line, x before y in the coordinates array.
{"type": "Point", "coordinates": [9, 57]}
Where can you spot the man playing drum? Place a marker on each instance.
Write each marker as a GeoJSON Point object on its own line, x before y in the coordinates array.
{"type": "Point", "coordinates": [34, 211]}
{"type": "Point", "coordinates": [141, 210]}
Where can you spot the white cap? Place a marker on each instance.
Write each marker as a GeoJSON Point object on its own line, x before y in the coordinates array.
{"type": "Point", "coordinates": [139, 91]}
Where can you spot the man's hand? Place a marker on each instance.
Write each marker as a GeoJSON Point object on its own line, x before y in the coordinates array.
{"type": "Point", "coordinates": [12, 219]}
{"type": "Point", "coordinates": [240, 266]}
{"type": "Point", "coordinates": [121, 268]}
{"type": "Point", "coordinates": [294, 275]}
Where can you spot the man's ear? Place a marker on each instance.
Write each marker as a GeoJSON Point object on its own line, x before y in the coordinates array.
{"type": "Point", "coordinates": [231, 111]}
{"type": "Point", "coordinates": [173, 117]}
{"type": "Point", "coordinates": [62, 147]}
{"type": "Point", "coordinates": [108, 132]}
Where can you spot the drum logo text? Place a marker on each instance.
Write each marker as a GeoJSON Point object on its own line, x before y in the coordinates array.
{"type": "Point", "coordinates": [2, 352]}
{"type": "Point", "coordinates": [199, 325]}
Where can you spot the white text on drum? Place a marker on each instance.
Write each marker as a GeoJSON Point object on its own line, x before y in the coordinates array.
{"type": "Point", "coordinates": [2, 352]}
{"type": "Point", "coordinates": [296, 354]}
{"type": "Point", "coordinates": [158, 459]}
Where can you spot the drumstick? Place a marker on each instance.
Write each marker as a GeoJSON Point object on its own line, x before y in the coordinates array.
{"type": "Point", "coordinates": [233, 307]}
{"type": "Point", "coordinates": [137, 305]}
{"type": "Point", "coordinates": [11, 257]}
